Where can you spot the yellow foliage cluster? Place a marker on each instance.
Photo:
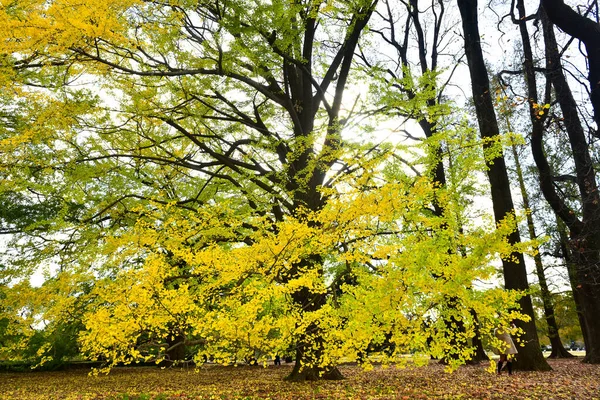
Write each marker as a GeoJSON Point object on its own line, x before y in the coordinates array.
{"type": "Point", "coordinates": [56, 26]}
{"type": "Point", "coordinates": [237, 300]}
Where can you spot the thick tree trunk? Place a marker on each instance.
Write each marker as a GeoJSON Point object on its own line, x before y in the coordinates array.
{"type": "Point", "coordinates": [302, 372]}
{"type": "Point", "coordinates": [310, 346]}
{"type": "Point", "coordinates": [584, 234]}
{"type": "Point", "coordinates": [515, 275]}
{"type": "Point", "coordinates": [175, 352]}
{"type": "Point", "coordinates": [177, 349]}
{"type": "Point", "coordinates": [587, 261]}
{"type": "Point", "coordinates": [306, 173]}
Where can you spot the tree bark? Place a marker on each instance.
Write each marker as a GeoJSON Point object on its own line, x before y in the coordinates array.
{"type": "Point", "coordinates": [558, 350]}
{"type": "Point", "coordinates": [480, 354]}
{"type": "Point", "coordinates": [307, 172]}
{"type": "Point", "coordinates": [175, 351]}
{"type": "Point", "coordinates": [309, 364]}
{"type": "Point", "coordinates": [572, 272]}
{"type": "Point", "coordinates": [584, 234]}
{"type": "Point", "coordinates": [515, 275]}
{"type": "Point", "coordinates": [303, 373]}
{"type": "Point", "coordinates": [537, 123]}
{"type": "Point", "coordinates": [588, 32]}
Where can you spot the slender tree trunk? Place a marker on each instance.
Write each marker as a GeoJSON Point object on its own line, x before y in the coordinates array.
{"type": "Point", "coordinates": [572, 272]}
{"type": "Point", "coordinates": [558, 350]}
{"type": "Point", "coordinates": [515, 275]}
{"type": "Point", "coordinates": [537, 122]}
{"type": "Point", "coordinates": [455, 328]}
{"type": "Point", "coordinates": [480, 354]}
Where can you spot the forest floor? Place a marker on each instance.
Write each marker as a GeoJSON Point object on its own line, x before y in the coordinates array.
{"type": "Point", "coordinates": [569, 379]}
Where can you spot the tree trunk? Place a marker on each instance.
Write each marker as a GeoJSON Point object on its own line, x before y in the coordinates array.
{"type": "Point", "coordinates": [558, 350]}
{"type": "Point", "coordinates": [455, 328]}
{"type": "Point", "coordinates": [537, 122]}
{"type": "Point", "coordinates": [530, 356]}
{"type": "Point", "coordinates": [584, 234]}
{"type": "Point", "coordinates": [588, 32]}
{"type": "Point", "coordinates": [176, 350]}
{"type": "Point", "coordinates": [480, 354]}
{"type": "Point", "coordinates": [303, 373]}
{"type": "Point", "coordinates": [571, 269]}
{"type": "Point", "coordinates": [310, 346]}
{"type": "Point", "coordinates": [307, 172]}
{"type": "Point", "coordinates": [587, 262]}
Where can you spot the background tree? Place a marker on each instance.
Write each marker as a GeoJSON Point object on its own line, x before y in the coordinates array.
{"type": "Point", "coordinates": [582, 230]}
{"type": "Point", "coordinates": [566, 317]}
{"type": "Point", "coordinates": [538, 115]}
{"type": "Point", "coordinates": [411, 85]}
{"type": "Point", "coordinates": [515, 274]}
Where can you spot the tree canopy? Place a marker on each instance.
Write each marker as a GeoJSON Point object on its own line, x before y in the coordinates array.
{"type": "Point", "coordinates": [208, 179]}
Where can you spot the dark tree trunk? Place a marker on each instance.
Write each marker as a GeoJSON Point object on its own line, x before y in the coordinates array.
{"type": "Point", "coordinates": [306, 173]}
{"type": "Point", "coordinates": [584, 234]}
{"type": "Point", "coordinates": [537, 122]}
{"type": "Point", "coordinates": [558, 350]}
{"type": "Point", "coordinates": [571, 269]}
{"type": "Point", "coordinates": [302, 373]}
{"type": "Point", "coordinates": [175, 351]}
{"type": "Point", "coordinates": [588, 32]}
{"type": "Point", "coordinates": [480, 354]}
{"type": "Point", "coordinates": [310, 345]}
{"type": "Point", "coordinates": [530, 356]}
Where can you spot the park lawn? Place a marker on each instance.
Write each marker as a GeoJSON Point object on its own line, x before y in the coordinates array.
{"type": "Point", "coordinates": [570, 379]}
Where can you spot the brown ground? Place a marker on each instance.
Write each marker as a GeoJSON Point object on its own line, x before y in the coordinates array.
{"type": "Point", "coordinates": [570, 379]}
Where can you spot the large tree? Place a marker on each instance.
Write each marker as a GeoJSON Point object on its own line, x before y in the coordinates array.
{"type": "Point", "coordinates": [207, 55]}
{"type": "Point", "coordinates": [583, 226]}
{"type": "Point", "coordinates": [202, 183]}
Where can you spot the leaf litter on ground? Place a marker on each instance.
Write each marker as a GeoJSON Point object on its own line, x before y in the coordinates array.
{"type": "Point", "coordinates": [569, 379]}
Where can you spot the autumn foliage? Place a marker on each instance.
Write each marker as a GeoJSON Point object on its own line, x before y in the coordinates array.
{"type": "Point", "coordinates": [191, 185]}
